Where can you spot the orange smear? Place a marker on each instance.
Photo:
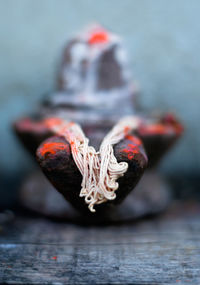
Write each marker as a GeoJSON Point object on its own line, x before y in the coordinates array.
{"type": "Point", "coordinates": [52, 122]}
{"type": "Point", "coordinates": [155, 129]}
{"type": "Point", "coordinates": [74, 149]}
{"type": "Point", "coordinates": [130, 156]}
{"type": "Point", "coordinates": [126, 130]}
{"type": "Point", "coordinates": [28, 125]}
{"type": "Point", "coordinates": [54, 257]}
{"type": "Point", "coordinates": [52, 147]}
{"type": "Point", "coordinates": [171, 120]}
{"type": "Point", "coordinates": [135, 140]}
{"type": "Point", "coordinates": [131, 151]}
{"type": "Point", "coordinates": [98, 38]}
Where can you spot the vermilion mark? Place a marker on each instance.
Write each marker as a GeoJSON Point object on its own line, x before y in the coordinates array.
{"type": "Point", "coordinates": [54, 257]}
{"type": "Point", "coordinates": [131, 151]}
{"type": "Point", "coordinates": [135, 140]}
{"type": "Point", "coordinates": [171, 120]}
{"type": "Point", "coordinates": [98, 37]}
{"type": "Point", "coordinates": [130, 156]}
{"type": "Point", "coordinates": [52, 122]}
{"type": "Point", "coordinates": [155, 129]}
{"type": "Point", "coordinates": [126, 130]}
{"type": "Point", "coordinates": [52, 147]}
{"type": "Point", "coordinates": [73, 146]}
{"type": "Point", "coordinates": [169, 125]}
{"type": "Point", "coordinates": [27, 125]}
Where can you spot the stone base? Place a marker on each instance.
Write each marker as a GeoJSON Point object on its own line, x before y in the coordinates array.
{"type": "Point", "coordinates": [151, 196]}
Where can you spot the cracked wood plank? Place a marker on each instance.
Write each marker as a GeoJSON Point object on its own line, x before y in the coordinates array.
{"type": "Point", "coordinates": [161, 251]}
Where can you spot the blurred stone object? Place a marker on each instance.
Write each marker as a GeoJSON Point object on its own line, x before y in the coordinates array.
{"type": "Point", "coordinates": [151, 196]}
{"type": "Point", "coordinates": [94, 89]}
{"type": "Point", "coordinates": [6, 217]}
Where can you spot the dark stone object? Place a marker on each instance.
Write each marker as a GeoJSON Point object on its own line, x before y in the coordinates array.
{"type": "Point", "coordinates": [150, 197]}
{"type": "Point", "coordinates": [63, 173]}
{"type": "Point", "coordinates": [95, 90]}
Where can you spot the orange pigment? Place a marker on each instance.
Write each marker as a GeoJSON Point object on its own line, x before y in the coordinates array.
{"type": "Point", "coordinates": [135, 140]}
{"type": "Point", "coordinates": [52, 147]}
{"type": "Point", "coordinates": [98, 38]}
{"type": "Point", "coordinates": [52, 122]}
{"type": "Point", "coordinates": [126, 130]}
{"type": "Point", "coordinates": [155, 129]}
{"type": "Point", "coordinates": [131, 151]}
{"type": "Point", "coordinates": [54, 257]}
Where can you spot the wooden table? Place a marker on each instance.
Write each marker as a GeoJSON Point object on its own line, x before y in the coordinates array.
{"type": "Point", "coordinates": [164, 250]}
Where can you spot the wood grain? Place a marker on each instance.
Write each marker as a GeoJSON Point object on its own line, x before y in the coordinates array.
{"type": "Point", "coordinates": [161, 251]}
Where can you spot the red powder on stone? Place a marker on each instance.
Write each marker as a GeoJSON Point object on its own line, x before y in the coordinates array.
{"type": "Point", "coordinates": [74, 149]}
{"type": "Point", "coordinates": [98, 38]}
{"type": "Point", "coordinates": [27, 125]}
{"type": "Point", "coordinates": [169, 125]}
{"type": "Point", "coordinates": [155, 129]}
{"type": "Point", "coordinates": [131, 151]}
{"type": "Point", "coordinates": [171, 120]}
{"type": "Point", "coordinates": [130, 155]}
{"type": "Point", "coordinates": [135, 140]}
{"type": "Point", "coordinates": [52, 147]}
{"type": "Point", "coordinates": [54, 257]}
{"type": "Point", "coordinates": [132, 148]}
{"type": "Point", "coordinates": [52, 122]}
{"type": "Point", "coordinates": [126, 130]}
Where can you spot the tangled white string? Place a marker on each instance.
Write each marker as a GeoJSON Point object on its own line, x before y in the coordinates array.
{"type": "Point", "coordinates": [100, 169]}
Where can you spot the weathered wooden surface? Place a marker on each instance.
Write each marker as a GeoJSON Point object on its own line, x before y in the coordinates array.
{"type": "Point", "coordinates": [159, 251]}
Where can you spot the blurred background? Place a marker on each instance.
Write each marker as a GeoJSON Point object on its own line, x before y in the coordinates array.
{"type": "Point", "coordinates": [163, 43]}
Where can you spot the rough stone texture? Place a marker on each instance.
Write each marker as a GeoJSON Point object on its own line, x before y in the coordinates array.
{"type": "Point", "coordinates": [163, 43]}
{"type": "Point", "coordinates": [166, 131]}
{"type": "Point", "coordinates": [156, 146]}
{"type": "Point", "coordinates": [60, 168]}
{"type": "Point", "coordinates": [109, 71]}
{"type": "Point", "coordinates": [31, 133]}
{"type": "Point", "coordinates": [151, 196]}
{"type": "Point", "coordinates": [163, 251]}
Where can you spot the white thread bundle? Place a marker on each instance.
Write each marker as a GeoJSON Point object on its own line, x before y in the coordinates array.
{"type": "Point", "coordinates": [100, 169]}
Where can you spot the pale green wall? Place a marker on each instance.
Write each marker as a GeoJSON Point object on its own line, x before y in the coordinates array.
{"type": "Point", "coordinates": [163, 40]}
